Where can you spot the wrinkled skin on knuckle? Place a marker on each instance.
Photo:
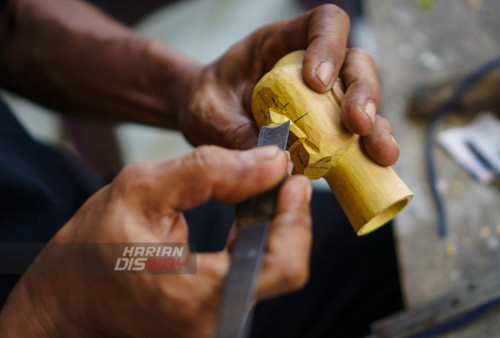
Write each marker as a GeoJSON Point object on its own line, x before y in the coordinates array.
{"type": "Point", "coordinates": [216, 116]}
{"type": "Point", "coordinates": [239, 136]}
{"type": "Point", "coordinates": [367, 90]}
{"type": "Point", "coordinates": [204, 158]}
{"type": "Point", "coordinates": [352, 122]}
{"type": "Point", "coordinates": [366, 85]}
{"type": "Point", "coordinates": [379, 145]}
{"type": "Point", "coordinates": [375, 146]}
{"type": "Point", "coordinates": [204, 162]}
{"type": "Point", "coordinates": [199, 122]}
{"type": "Point", "coordinates": [222, 168]}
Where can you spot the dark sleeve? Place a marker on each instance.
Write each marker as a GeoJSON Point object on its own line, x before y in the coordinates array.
{"type": "Point", "coordinates": [40, 189]}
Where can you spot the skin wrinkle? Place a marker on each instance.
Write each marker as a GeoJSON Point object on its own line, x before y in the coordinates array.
{"type": "Point", "coordinates": [267, 45]}
{"type": "Point", "coordinates": [379, 143]}
{"type": "Point", "coordinates": [362, 125]}
{"type": "Point", "coordinates": [239, 136]}
{"type": "Point", "coordinates": [212, 268]}
{"type": "Point", "coordinates": [169, 90]}
{"type": "Point", "coordinates": [112, 37]}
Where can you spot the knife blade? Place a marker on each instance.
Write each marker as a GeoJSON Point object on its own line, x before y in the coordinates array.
{"type": "Point", "coordinates": [253, 219]}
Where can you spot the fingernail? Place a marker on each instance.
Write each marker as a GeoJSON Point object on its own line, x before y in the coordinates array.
{"type": "Point", "coordinates": [325, 73]}
{"type": "Point", "coordinates": [395, 143]}
{"type": "Point", "coordinates": [265, 153]}
{"type": "Point", "coordinates": [371, 111]}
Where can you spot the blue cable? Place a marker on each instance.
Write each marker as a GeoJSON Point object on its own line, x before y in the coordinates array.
{"type": "Point", "coordinates": [447, 108]}
{"type": "Point", "coordinates": [457, 322]}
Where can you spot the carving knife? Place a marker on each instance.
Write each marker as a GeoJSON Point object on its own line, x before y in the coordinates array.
{"type": "Point", "coordinates": [253, 219]}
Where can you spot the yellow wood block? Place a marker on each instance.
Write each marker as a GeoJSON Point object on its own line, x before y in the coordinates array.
{"type": "Point", "coordinates": [320, 146]}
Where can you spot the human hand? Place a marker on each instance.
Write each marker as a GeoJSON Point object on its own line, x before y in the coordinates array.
{"type": "Point", "coordinates": [144, 204]}
{"type": "Point", "coordinates": [218, 110]}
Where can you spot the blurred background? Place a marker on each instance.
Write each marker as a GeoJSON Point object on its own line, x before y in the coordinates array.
{"type": "Point", "coordinates": [424, 49]}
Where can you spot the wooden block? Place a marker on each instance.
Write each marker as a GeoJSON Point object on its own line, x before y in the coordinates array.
{"type": "Point", "coordinates": [320, 146]}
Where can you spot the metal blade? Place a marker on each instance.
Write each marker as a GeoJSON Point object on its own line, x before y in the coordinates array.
{"type": "Point", "coordinates": [253, 219]}
{"type": "Point", "coordinates": [274, 135]}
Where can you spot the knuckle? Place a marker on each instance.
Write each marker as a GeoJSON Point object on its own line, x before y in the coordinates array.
{"type": "Point", "coordinates": [374, 143]}
{"type": "Point", "coordinates": [381, 151]}
{"type": "Point", "coordinates": [204, 158]}
{"type": "Point", "coordinates": [237, 136]}
{"type": "Point", "coordinates": [364, 90]}
{"type": "Point", "coordinates": [357, 85]}
{"type": "Point", "coordinates": [355, 123]}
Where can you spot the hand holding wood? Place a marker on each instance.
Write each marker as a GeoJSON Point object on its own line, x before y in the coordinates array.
{"type": "Point", "coordinates": [320, 146]}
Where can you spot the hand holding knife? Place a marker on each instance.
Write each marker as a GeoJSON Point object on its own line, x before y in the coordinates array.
{"type": "Point", "coordinates": [253, 219]}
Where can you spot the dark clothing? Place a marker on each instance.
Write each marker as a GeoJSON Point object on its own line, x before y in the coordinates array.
{"type": "Point", "coordinates": [353, 280]}
{"type": "Point", "coordinates": [40, 189]}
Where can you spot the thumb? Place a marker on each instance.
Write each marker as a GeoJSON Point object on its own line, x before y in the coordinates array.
{"type": "Point", "coordinates": [229, 176]}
